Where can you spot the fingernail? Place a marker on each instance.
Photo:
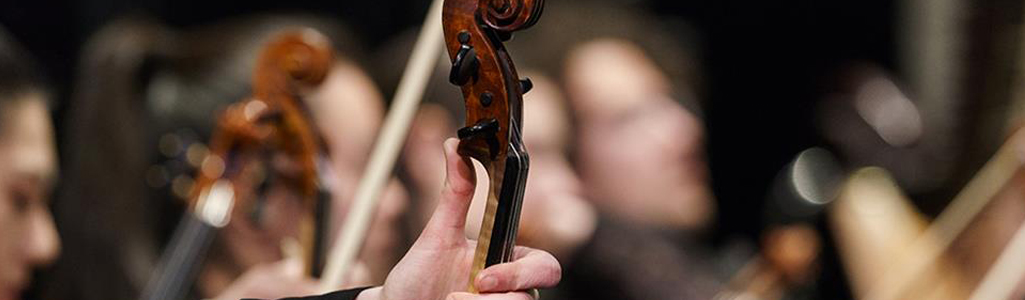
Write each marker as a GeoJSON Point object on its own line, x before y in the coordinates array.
{"type": "Point", "coordinates": [488, 283]}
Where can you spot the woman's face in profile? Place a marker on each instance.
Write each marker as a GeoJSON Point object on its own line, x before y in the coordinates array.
{"type": "Point", "coordinates": [28, 166]}
{"type": "Point", "coordinates": [639, 151]}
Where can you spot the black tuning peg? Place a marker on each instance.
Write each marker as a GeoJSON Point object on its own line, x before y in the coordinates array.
{"type": "Point", "coordinates": [465, 64]}
{"type": "Point", "coordinates": [487, 129]}
{"type": "Point", "coordinates": [526, 85]}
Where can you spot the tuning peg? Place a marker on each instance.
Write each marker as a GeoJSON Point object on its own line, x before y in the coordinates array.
{"type": "Point", "coordinates": [487, 129]}
{"type": "Point", "coordinates": [465, 64]}
{"type": "Point", "coordinates": [526, 85]}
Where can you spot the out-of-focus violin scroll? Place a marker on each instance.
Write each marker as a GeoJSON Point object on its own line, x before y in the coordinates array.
{"type": "Point", "coordinates": [493, 93]}
{"type": "Point", "coordinates": [248, 145]}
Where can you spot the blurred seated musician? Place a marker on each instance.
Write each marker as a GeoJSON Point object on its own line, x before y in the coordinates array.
{"type": "Point", "coordinates": [143, 111]}
{"type": "Point", "coordinates": [437, 265]}
{"type": "Point", "coordinates": [602, 257]}
{"type": "Point", "coordinates": [640, 153]}
{"type": "Point", "coordinates": [28, 170]}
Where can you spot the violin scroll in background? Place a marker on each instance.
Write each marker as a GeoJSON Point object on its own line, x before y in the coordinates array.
{"type": "Point", "coordinates": [263, 140]}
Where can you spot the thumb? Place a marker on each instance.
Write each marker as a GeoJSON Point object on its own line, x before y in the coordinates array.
{"type": "Point", "coordinates": [460, 180]}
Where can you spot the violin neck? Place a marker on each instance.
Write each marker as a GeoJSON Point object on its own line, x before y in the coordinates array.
{"type": "Point", "coordinates": [497, 238]}
{"type": "Point", "coordinates": [179, 265]}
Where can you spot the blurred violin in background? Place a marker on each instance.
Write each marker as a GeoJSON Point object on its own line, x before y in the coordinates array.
{"type": "Point", "coordinates": [261, 146]}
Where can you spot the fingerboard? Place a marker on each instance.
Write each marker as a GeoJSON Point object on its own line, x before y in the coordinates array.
{"type": "Point", "coordinates": [497, 238]}
{"type": "Point", "coordinates": [180, 264]}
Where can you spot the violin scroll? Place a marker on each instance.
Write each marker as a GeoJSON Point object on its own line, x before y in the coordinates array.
{"type": "Point", "coordinates": [239, 165]}
{"type": "Point", "coordinates": [513, 15]}
{"type": "Point", "coordinates": [493, 96]}
{"type": "Point", "coordinates": [294, 61]}
{"type": "Point", "coordinates": [302, 57]}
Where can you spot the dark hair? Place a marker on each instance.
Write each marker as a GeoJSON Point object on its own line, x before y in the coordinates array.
{"type": "Point", "coordinates": [671, 43]}
{"type": "Point", "coordinates": [19, 73]}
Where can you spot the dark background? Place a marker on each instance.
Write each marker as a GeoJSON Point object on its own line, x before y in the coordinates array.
{"type": "Point", "coordinates": [764, 64]}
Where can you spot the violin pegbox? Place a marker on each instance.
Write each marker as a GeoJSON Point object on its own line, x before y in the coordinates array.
{"type": "Point", "coordinates": [474, 32]}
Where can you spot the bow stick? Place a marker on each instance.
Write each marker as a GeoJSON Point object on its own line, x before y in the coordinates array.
{"type": "Point", "coordinates": [386, 150]}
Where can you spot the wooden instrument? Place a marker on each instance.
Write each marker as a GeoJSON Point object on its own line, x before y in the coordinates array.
{"type": "Point", "coordinates": [229, 181]}
{"type": "Point", "coordinates": [875, 225]}
{"type": "Point", "coordinates": [493, 94]}
{"type": "Point", "coordinates": [926, 249]}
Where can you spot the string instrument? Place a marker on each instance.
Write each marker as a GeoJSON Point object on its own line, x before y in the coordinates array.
{"type": "Point", "coordinates": [493, 95]}
{"type": "Point", "coordinates": [923, 251]}
{"type": "Point", "coordinates": [474, 32]}
{"type": "Point", "coordinates": [233, 176]}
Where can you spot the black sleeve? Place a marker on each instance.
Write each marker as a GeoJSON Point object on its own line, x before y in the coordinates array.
{"type": "Point", "coordinates": [349, 294]}
{"type": "Point", "coordinates": [633, 263]}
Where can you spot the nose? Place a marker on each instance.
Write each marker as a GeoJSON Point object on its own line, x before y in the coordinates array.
{"type": "Point", "coordinates": [675, 130]}
{"type": "Point", "coordinates": [42, 244]}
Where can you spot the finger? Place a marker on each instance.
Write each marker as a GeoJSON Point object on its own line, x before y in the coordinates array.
{"type": "Point", "coordinates": [532, 269]}
{"type": "Point", "coordinates": [500, 296]}
{"type": "Point", "coordinates": [460, 180]}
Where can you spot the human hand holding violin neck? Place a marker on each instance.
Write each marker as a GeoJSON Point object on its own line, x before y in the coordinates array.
{"type": "Point", "coordinates": [438, 264]}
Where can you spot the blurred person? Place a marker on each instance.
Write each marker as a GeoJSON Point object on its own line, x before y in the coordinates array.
{"type": "Point", "coordinates": [639, 152]}
{"type": "Point", "coordinates": [28, 171]}
{"type": "Point", "coordinates": [144, 84]}
{"type": "Point", "coordinates": [443, 248]}
{"type": "Point", "coordinates": [603, 258]}
{"type": "Point", "coordinates": [642, 173]}
{"type": "Point", "coordinates": [421, 166]}
{"type": "Point", "coordinates": [633, 85]}
{"type": "Point", "coordinates": [607, 255]}
{"type": "Point", "coordinates": [29, 238]}
{"type": "Point", "coordinates": [349, 110]}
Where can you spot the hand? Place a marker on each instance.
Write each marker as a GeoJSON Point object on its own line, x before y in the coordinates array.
{"type": "Point", "coordinates": [271, 281]}
{"type": "Point", "coordinates": [437, 266]}
{"type": "Point", "coordinates": [285, 278]}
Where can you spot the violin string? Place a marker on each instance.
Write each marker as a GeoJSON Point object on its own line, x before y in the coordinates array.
{"type": "Point", "coordinates": [175, 268]}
